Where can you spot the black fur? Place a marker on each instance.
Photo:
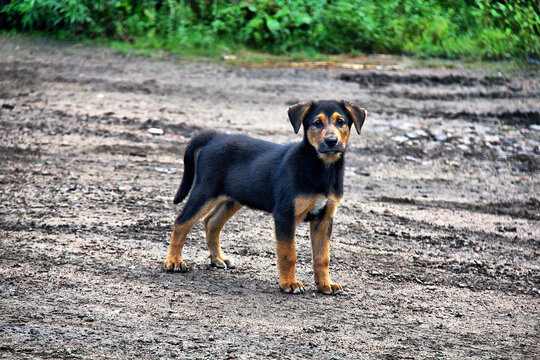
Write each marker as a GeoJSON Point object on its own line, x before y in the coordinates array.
{"type": "Point", "coordinates": [189, 163]}
{"type": "Point", "coordinates": [260, 174]}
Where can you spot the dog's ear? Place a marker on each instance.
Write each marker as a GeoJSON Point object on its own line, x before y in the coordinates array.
{"type": "Point", "coordinates": [357, 114]}
{"type": "Point", "coordinates": [297, 113]}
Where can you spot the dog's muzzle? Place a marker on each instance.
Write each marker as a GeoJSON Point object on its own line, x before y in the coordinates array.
{"type": "Point", "coordinates": [330, 145]}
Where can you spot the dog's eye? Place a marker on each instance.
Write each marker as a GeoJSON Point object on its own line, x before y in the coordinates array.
{"type": "Point", "coordinates": [340, 121]}
{"type": "Point", "coordinates": [317, 123]}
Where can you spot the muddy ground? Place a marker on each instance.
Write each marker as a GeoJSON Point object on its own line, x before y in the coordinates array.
{"type": "Point", "coordinates": [436, 242]}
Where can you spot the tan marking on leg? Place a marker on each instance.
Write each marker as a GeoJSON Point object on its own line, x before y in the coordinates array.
{"type": "Point", "coordinates": [213, 224]}
{"type": "Point", "coordinates": [286, 263]}
{"type": "Point", "coordinates": [174, 260]}
{"type": "Point", "coordinates": [320, 244]}
{"type": "Point", "coordinates": [332, 204]}
{"type": "Point", "coordinates": [303, 205]}
{"type": "Point", "coordinates": [286, 252]}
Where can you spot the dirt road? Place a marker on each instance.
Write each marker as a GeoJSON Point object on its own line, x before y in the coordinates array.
{"type": "Point", "coordinates": [436, 242]}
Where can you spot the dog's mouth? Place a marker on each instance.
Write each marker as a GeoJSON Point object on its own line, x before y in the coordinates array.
{"type": "Point", "coordinates": [326, 150]}
{"type": "Point", "coordinates": [331, 151]}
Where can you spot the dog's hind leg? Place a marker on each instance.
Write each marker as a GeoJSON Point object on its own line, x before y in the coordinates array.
{"type": "Point", "coordinates": [214, 223]}
{"type": "Point", "coordinates": [197, 206]}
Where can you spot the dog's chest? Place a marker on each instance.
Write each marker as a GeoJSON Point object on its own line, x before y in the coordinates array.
{"type": "Point", "coordinates": [318, 206]}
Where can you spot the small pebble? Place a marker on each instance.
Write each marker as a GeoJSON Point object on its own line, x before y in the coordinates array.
{"type": "Point", "coordinates": [156, 131]}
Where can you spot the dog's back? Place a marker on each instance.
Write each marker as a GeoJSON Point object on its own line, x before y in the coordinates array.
{"type": "Point", "coordinates": [237, 166]}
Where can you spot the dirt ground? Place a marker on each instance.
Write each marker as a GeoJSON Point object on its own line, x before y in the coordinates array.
{"type": "Point", "coordinates": [436, 242]}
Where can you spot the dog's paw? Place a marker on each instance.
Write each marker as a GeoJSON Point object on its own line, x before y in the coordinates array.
{"type": "Point", "coordinates": [174, 263]}
{"type": "Point", "coordinates": [291, 287]}
{"type": "Point", "coordinates": [330, 288]}
{"type": "Point", "coordinates": [222, 263]}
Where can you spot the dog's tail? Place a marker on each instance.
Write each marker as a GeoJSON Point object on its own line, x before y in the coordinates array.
{"type": "Point", "coordinates": [189, 163]}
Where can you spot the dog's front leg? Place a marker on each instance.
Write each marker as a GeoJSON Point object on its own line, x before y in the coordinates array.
{"type": "Point", "coordinates": [320, 231]}
{"type": "Point", "coordinates": [286, 255]}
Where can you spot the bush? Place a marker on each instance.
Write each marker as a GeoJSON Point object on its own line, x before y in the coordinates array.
{"type": "Point", "coordinates": [515, 22]}
{"type": "Point", "coordinates": [49, 15]}
{"type": "Point", "coordinates": [447, 28]}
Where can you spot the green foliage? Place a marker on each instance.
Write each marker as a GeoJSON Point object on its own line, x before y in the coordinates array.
{"type": "Point", "coordinates": [49, 14]}
{"type": "Point", "coordinates": [517, 21]}
{"type": "Point", "coordinates": [426, 28]}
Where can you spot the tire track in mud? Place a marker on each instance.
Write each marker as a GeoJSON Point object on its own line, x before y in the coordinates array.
{"type": "Point", "coordinates": [456, 96]}
{"type": "Point", "coordinates": [18, 74]}
{"type": "Point", "coordinates": [145, 87]}
{"type": "Point", "coordinates": [454, 88]}
{"type": "Point", "coordinates": [521, 117]}
{"type": "Point", "coordinates": [421, 152]}
{"type": "Point", "coordinates": [384, 79]}
{"type": "Point", "coordinates": [57, 122]}
{"type": "Point", "coordinates": [37, 70]}
{"type": "Point", "coordinates": [461, 272]}
{"type": "Point", "coordinates": [518, 209]}
{"type": "Point", "coordinates": [457, 257]}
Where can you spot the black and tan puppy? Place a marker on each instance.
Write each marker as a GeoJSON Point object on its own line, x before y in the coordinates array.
{"type": "Point", "coordinates": [295, 182]}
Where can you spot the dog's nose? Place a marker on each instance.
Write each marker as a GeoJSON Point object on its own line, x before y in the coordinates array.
{"type": "Point", "coordinates": [330, 141]}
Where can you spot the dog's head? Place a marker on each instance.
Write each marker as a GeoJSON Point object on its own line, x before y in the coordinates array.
{"type": "Point", "coordinates": [327, 125]}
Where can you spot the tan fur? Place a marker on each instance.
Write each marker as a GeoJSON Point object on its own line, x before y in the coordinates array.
{"type": "Point", "coordinates": [303, 205]}
{"type": "Point", "coordinates": [343, 132]}
{"type": "Point", "coordinates": [174, 259]}
{"type": "Point", "coordinates": [320, 240]}
{"type": "Point", "coordinates": [213, 223]}
{"type": "Point", "coordinates": [286, 264]}
{"type": "Point", "coordinates": [320, 244]}
{"type": "Point", "coordinates": [305, 112]}
{"type": "Point", "coordinates": [329, 159]}
{"type": "Point", "coordinates": [296, 121]}
{"type": "Point", "coordinates": [285, 250]}
{"type": "Point", "coordinates": [357, 120]}
{"type": "Point", "coordinates": [317, 135]}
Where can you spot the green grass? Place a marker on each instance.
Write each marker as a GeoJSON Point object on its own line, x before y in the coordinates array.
{"type": "Point", "coordinates": [236, 55]}
{"type": "Point", "coordinates": [244, 56]}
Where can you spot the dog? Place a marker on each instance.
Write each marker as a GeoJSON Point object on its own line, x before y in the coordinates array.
{"type": "Point", "coordinates": [294, 182]}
